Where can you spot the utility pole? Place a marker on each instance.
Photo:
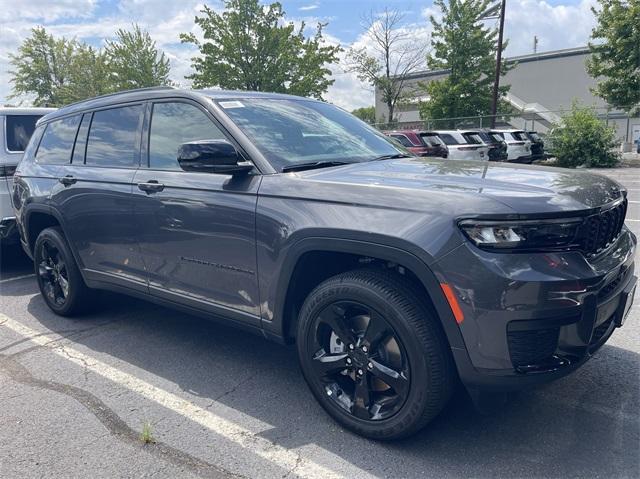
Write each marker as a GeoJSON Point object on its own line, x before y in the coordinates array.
{"type": "Point", "coordinates": [496, 83]}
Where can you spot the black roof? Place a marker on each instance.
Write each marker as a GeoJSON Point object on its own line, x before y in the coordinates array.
{"type": "Point", "coordinates": [143, 94]}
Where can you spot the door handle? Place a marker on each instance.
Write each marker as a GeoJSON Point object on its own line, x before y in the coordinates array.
{"type": "Point", "coordinates": [151, 186]}
{"type": "Point", "coordinates": [67, 180]}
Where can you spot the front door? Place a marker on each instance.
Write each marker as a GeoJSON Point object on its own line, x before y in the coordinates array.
{"type": "Point", "coordinates": [196, 231]}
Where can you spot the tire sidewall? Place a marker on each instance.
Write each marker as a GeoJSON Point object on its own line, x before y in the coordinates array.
{"type": "Point", "coordinates": [401, 422]}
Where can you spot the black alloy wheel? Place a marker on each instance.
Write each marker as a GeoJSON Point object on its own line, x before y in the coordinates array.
{"type": "Point", "coordinates": [374, 354]}
{"type": "Point", "coordinates": [53, 273]}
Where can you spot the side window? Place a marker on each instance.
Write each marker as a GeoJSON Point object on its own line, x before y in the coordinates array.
{"type": "Point", "coordinates": [448, 139]}
{"type": "Point", "coordinates": [113, 137]}
{"type": "Point", "coordinates": [19, 129]}
{"type": "Point", "coordinates": [81, 140]}
{"type": "Point", "coordinates": [57, 141]}
{"type": "Point", "coordinates": [173, 124]}
{"type": "Point", "coordinates": [404, 141]}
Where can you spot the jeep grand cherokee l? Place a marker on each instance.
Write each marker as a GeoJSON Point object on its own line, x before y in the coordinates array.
{"type": "Point", "coordinates": [394, 275]}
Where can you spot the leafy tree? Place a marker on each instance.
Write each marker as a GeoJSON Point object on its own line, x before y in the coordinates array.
{"type": "Point", "coordinates": [134, 61]}
{"type": "Point", "coordinates": [87, 77]}
{"type": "Point", "coordinates": [582, 139]}
{"type": "Point", "coordinates": [391, 54]}
{"type": "Point", "coordinates": [467, 49]}
{"type": "Point", "coordinates": [249, 47]}
{"type": "Point", "coordinates": [42, 67]}
{"type": "Point", "coordinates": [367, 113]}
{"type": "Point", "coordinates": [615, 62]}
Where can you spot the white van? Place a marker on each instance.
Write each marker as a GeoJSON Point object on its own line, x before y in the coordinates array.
{"type": "Point", "coordinates": [518, 145]}
{"type": "Point", "coordinates": [16, 128]}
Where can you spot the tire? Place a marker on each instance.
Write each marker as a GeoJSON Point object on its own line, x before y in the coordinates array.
{"type": "Point", "coordinates": [424, 374]}
{"type": "Point", "coordinates": [53, 260]}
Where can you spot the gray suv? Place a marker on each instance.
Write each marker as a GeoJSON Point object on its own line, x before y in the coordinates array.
{"type": "Point", "coordinates": [395, 276]}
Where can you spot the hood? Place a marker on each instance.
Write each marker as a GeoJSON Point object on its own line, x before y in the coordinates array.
{"type": "Point", "coordinates": [522, 188]}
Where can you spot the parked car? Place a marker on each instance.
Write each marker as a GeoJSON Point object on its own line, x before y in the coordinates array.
{"type": "Point", "coordinates": [18, 125]}
{"type": "Point", "coordinates": [518, 145]}
{"type": "Point", "coordinates": [537, 145]}
{"type": "Point", "coordinates": [420, 143]}
{"type": "Point", "coordinates": [497, 146]}
{"type": "Point", "coordinates": [463, 147]}
{"type": "Point", "coordinates": [289, 217]}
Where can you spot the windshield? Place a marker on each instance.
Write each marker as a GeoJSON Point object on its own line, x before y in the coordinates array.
{"type": "Point", "coordinates": [291, 132]}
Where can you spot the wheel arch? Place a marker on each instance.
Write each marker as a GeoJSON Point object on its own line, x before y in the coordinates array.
{"type": "Point", "coordinates": [285, 313]}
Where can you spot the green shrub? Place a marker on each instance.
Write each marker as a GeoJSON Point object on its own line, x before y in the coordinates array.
{"type": "Point", "coordinates": [581, 139]}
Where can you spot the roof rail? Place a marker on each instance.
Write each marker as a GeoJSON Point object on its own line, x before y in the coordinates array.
{"type": "Point", "coordinates": [106, 95]}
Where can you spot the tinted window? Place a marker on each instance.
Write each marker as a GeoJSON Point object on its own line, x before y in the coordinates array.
{"type": "Point", "coordinates": [519, 135]}
{"type": "Point", "coordinates": [57, 141]}
{"type": "Point", "coordinates": [19, 129]}
{"type": "Point", "coordinates": [81, 140]}
{"type": "Point", "coordinates": [173, 124]}
{"type": "Point", "coordinates": [448, 139]}
{"type": "Point", "coordinates": [404, 141]}
{"type": "Point", "coordinates": [431, 140]}
{"type": "Point", "coordinates": [472, 138]}
{"type": "Point", "coordinates": [113, 137]}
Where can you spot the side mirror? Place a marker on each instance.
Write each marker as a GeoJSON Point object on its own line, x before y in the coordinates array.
{"type": "Point", "coordinates": [212, 156]}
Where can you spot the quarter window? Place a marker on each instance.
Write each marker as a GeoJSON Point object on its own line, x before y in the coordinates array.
{"type": "Point", "coordinates": [113, 137]}
{"type": "Point", "coordinates": [173, 124]}
{"type": "Point", "coordinates": [57, 141]}
{"type": "Point", "coordinates": [448, 139]}
{"type": "Point", "coordinates": [404, 141]}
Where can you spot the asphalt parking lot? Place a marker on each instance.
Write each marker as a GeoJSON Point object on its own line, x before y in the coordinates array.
{"type": "Point", "coordinates": [76, 395]}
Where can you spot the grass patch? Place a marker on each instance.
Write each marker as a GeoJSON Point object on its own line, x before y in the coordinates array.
{"type": "Point", "coordinates": [146, 436]}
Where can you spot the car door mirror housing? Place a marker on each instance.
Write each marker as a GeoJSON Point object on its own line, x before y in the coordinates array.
{"type": "Point", "coordinates": [212, 156]}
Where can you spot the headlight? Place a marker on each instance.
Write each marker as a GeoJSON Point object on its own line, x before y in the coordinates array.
{"type": "Point", "coordinates": [522, 235]}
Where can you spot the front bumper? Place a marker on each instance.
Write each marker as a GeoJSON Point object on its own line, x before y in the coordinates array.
{"type": "Point", "coordinates": [8, 230]}
{"type": "Point", "coordinates": [533, 318]}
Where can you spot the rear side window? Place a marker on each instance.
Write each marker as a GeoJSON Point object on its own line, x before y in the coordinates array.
{"type": "Point", "coordinates": [472, 138]}
{"type": "Point", "coordinates": [431, 140]}
{"type": "Point", "coordinates": [519, 135]}
{"type": "Point", "coordinates": [18, 130]}
{"type": "Point", "coordinates": [404, 141]}
{"type": "Point", "coordinates": [173, 124]}
{"type": "Point", "coordinates": [113, 137]}
{"type": "Point", "coordinates": [57, 141]}
{"type": "Point", "coordinates": [448, 139]}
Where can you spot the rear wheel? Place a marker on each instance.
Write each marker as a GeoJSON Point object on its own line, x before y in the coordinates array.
{"type": "Point", "coordinates": [373, 353]}
{"type": "Point", "coordinates": [59, 279]}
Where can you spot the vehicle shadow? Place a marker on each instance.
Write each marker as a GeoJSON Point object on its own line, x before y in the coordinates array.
{"type": "Point", "coordinates": [585, 425]}
{"type": "Point", "coordinates": [14, 262]}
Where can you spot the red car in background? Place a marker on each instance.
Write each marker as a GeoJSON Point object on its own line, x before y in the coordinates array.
{"type": "Point", "coordinates": [420, 143]}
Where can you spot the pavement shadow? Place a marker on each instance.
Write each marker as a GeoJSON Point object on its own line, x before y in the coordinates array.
{"type": "Point", "coordinates": [585, 425]}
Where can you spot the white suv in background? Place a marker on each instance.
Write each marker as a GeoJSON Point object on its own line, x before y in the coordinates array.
{"type": "Point", "coordinates": [518, 145]}
{"type": "Point", "coordinates": [464, 145]}
{"type": "Point", "coordinates": [17, 125]}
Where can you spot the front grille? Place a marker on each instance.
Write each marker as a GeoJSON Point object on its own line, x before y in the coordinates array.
{"type": "Point", "coordinates": [612, 286]}
{"type": "Point", "coordinates": [601, 230]}
{"type": "Point", "coordinates": [532, 347]}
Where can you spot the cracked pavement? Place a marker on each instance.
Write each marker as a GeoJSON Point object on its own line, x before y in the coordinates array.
{"type": "Point", "coordinates": [61, 418]}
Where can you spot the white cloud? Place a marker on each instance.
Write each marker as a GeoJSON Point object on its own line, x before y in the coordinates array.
{"type": "Point", "coordinates": [45, 10]}
{"type": "Point", "coordinates": [306, 8]}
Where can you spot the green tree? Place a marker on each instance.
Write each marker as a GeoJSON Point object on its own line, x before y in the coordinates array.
{"type": "Point", "coordinates": [87, 76]}
{"type": "Point", "coordinates": [250, 47]}
{"type": "Point", "coordinates": [134, 61]}
{"type": "Point", "coordinates": [367, 113]}
{"type": "Point", "coordinates": [581, 139]}
{"type": "Point", "coordinates": [465, 47]}
{"type": "Point", "coordinates": [615, 60]}
{"type": "Point", "coordinates": [42, 67]}
{"type": "Point", "coordinates": [390, 56]}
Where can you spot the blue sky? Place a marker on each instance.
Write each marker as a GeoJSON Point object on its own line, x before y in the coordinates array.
{"type": "Point", "coordinates": [557, 24]}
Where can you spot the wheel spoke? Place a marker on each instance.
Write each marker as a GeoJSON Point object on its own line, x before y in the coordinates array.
{"type": "Point", "coordinates": [337, 322]}
{"type": "Point", "coordinates": [329, 363]}
{"type": "Point", "coordinates": [390, 377]}
{"type": "Point", "coordinates": [64, 286]}
{"type": "Point", "coordinates": [44, 270]}
{"type": "Point", "coordinates": [377, 330]}
{"type": "Point", "coordinates": [361, 398]}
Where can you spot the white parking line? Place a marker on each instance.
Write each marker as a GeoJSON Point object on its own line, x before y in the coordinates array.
{"type": "Point", "coordinates": [635, 221]}
{"type": "Point", "coordinates": [285, 458]}
{"type": "Point", "coordinates": [16, 278]}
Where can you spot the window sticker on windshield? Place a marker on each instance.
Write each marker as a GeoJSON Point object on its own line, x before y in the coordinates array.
{"type": "Point", "coordinates": [231, 104]}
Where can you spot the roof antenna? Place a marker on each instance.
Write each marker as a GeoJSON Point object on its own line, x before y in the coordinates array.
{"type": "Point", "coordinates": [535, 44]}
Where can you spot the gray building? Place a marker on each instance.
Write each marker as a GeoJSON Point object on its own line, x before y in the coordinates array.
{"type": "Point", "coordinates": [542, 85]}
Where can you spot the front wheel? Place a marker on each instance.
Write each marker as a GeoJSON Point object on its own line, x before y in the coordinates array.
{"type": "Point", "coordinates": [59, 278]}
{"type": "Point", "coordinates": [373, 353]}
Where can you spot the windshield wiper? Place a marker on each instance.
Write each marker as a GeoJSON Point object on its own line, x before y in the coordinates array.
{"type": "Point", "coordinates": [390, 157]}
{"type": "Point", "coordinates": [313, 165]}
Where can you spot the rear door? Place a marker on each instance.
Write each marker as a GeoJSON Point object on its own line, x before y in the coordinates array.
{"type": "Point", "coordinates": [95, 195]}
{"type": "Point", "coordinates": [196, 230]}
